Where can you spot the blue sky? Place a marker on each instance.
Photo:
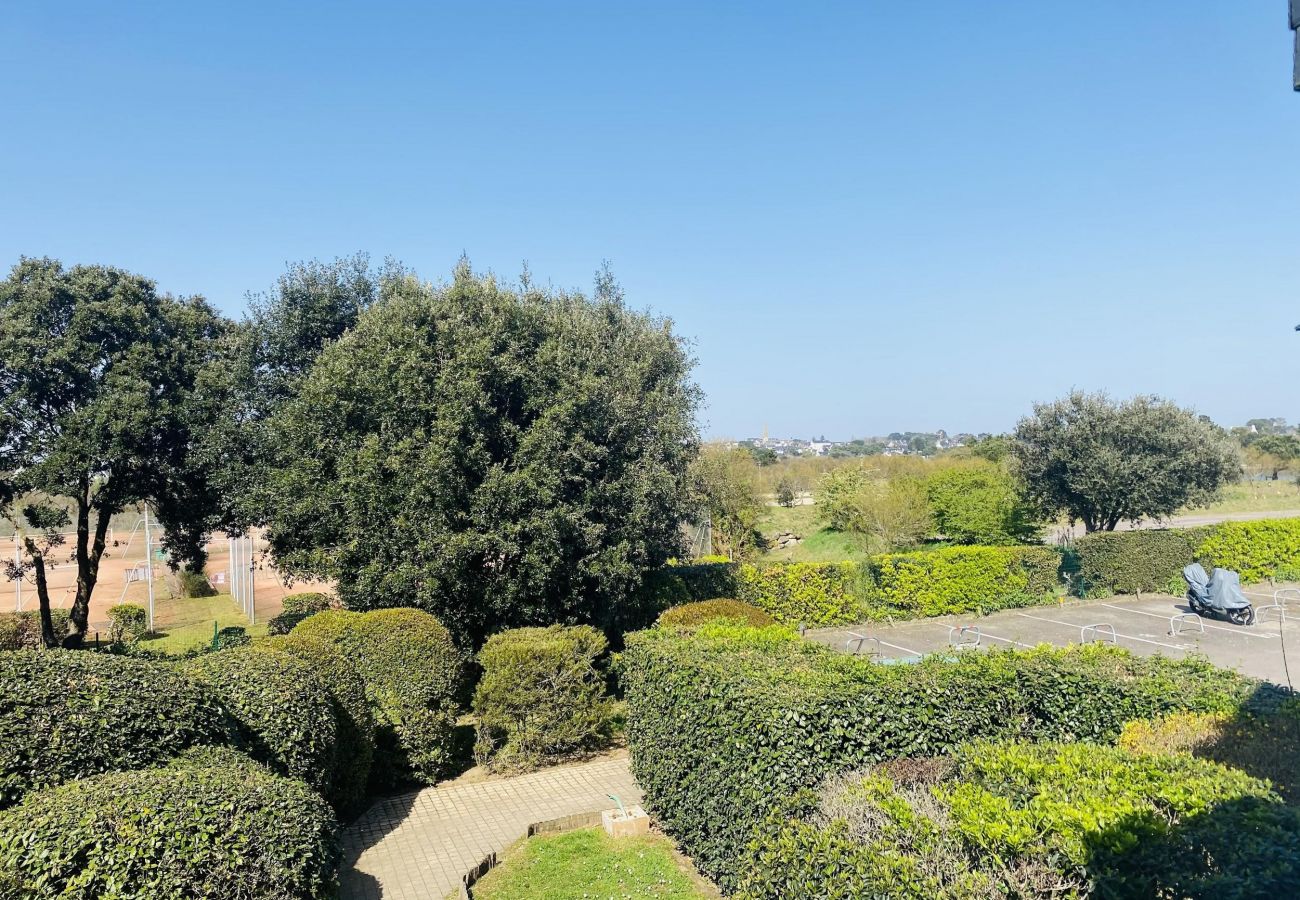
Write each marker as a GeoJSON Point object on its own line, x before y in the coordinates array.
{"type": "Point", "coordinates": [868, 216]}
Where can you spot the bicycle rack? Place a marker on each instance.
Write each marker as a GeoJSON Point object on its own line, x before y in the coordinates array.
{"type": "Point", "coordinates": [964, 637]}
{"type": "Point", "coordinates": [860, 639]}
{"type": "Point", "coordinates": [1182, 619]}
{"type": "Point", "coordinates": [1097, 633]}
{"type": "Point", "coordinates": [1279, 602]}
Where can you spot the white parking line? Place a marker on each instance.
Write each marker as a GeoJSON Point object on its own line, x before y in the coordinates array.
{"type": "Point", "coordinates": [904, 649]}
{"type": "Point", "coordinates": [1006, 640]}
{"type": "Point", "coordinates": [1127, 637]}
{"type": "Point", "coordinates": [1143, 612]}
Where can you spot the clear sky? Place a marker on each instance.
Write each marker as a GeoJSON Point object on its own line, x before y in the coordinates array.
{"type": "Point", "coordinates": [869, 216]}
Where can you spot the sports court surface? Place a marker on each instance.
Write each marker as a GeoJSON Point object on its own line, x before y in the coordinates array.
{"type": "Point", "coordinates": [1155, 623]}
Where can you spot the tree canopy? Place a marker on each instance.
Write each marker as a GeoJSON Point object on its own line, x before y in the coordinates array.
{"type": "Point", "coordinates": [1102, 462]}
{"type": "Point", "coordinates": [100, 401]}
{"type": "Point", "coordinates": [497, 456]}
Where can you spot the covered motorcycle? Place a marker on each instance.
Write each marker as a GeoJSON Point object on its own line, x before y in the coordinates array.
{"type": "Point", "coordinates": [1219, 594]}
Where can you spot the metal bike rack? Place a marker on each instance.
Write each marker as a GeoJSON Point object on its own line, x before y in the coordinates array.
{"type": "Point", "coordinates": [859, 640]}
{"type": "Point", "coordinates": [964, 637]}
{"type": "Point", "coordinates": [1279, 603]}
{"type": "Point", "coordinates": [1097, 633]}
{"type": "Point", "coordinates": [1175, 622]}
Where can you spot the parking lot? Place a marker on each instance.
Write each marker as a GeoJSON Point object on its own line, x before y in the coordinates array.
{"type": "Point", "coordinates": [1155, 623]}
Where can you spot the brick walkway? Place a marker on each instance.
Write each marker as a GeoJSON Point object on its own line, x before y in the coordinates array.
{"type": "Point", "coordinates": [417, 846]}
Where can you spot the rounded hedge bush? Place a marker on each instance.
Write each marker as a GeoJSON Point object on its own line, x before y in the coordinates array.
{"type": "Point", "coordinates": [283, 709]}
{"type": "Point", "coordinates": [67, 714]}
{"type": "Point", "coordinates": [355, 747]}
{"type": "Point", "coordinates": [207, 826]}
{"type": "Point", "coordinates": [541, 696]}
{"type": "Point", "coordinates": [297, 607]}
{"type": "Point", "coordinates": [22, 630]}
{"type": "Point", "coordinates": [412, 672]}
{"type": "Point", "coordinates": [689, 615]}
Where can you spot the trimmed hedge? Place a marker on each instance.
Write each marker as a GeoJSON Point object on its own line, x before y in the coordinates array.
{"type": "Point", "coordinates": [689, 615]}
{"type": "Point", "coordinates": [354, 748]}
{"type": "Point", "coordinates": [541, 696]}
{"type": "Point", "coordinates": [67, 714]}
{"type": "Point", "coordinates": [22, 630]}
{"type": "Point", "coordinates": [127, 622]}
{"type": "Point", "coordinates": [1257, 550]}
{"type": "Point", "coordinates": [206, 826]}
{"type": "Point", "coordinates": [283, 709]}
{"type": "Point", "coordinates": [805, 593]}
{"type": "Point", "coordinates": [412, 672]}
{"type": "Point", "coordinates": [1129, 562]}
{"type": "Point", "coordinates": [297, 607]}
{"type": "Point", "coordinates": [1031, 820]}
{"type": "Point", "coordinates": [962, 579]}
{"type": "Point", "coordinates": [724, 723]}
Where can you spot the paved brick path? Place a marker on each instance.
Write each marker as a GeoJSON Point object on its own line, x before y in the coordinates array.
{"type": "Point", "coordinates": [417, 846]}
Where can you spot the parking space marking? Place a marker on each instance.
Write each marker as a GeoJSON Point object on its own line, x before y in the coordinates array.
{"type": "Point", "coordinates": [1127, 637]}
{"type": "Point", "coordinates": [1238, 631]}
{"type": "Point", "coordinates": [1006, 640]}
{"type": "Point", "coordinates": [904, 649]}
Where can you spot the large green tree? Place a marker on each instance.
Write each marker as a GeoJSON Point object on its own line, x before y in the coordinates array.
{"type": "Point", "coordinates": [497, 456]}
{"type": "Point", "coordinates": [1103, 462]}
{"type": "Point", "coordinates": [727, 482]}
{"type": "Point", "coordinates": [100, 402]}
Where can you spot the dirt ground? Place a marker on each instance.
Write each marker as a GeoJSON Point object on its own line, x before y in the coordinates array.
{"type": "Point", "coordinates": [122, 580]}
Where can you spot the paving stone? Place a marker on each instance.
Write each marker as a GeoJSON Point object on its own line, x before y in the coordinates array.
{"type": "Point", "coordinates": [416, 846]}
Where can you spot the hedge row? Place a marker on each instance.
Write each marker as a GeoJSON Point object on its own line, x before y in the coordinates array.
{"type": "Point", "coordinates": [1128, 562]}
{"type": "Point", "coordinates": [703, 612]}
{"type": "Point", "coordinates": [412, 673]}
{"type": "Point", "coordinates": [22, 630]}
{"type": "Point", "coordinates": [896, 585]}
{"type": "Point", "coordinates": [70, 713]}
{"type": "Point", "coordinates": [725, 723]}
{"type": "Point", "coordinates": [212, 826]}
{"type": "Point", "coordinates": [1014, 820]}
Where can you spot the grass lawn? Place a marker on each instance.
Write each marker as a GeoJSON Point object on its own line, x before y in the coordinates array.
{"type": "Point", "coordinates": [1253, 496]}
{"type": "Point", "coordinates": [590, 864]}
{"type": "Point", "coordinates": [819, 545]}
{"type": "Point", "coordinates": [183, 623]}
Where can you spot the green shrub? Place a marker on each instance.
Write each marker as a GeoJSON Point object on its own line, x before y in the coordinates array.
{"type": "Point", "coordinates": [412, 672]}
{"type": "Point", "coordinates": [541, 696]}
{"type": "Point", "coordinates": [1128, 562]}
{"type": "Point", "coordinates": [726, 722]}
{"type": "Point", "coordinates": [296, 608]}
{"type": "Point", "coordinates": [810, 594]}
{"type": "Point", "coordinates": [979, 503]}
{"type": "Point", "coordinates": [962, 579]}
{"type": "Point", "coordinates": [689, 615]}
{"type": "Point", "coordinates": [22, 630]}
{"type": "Point", "coordinates": [195, 584]}
{"type": "Point", "coordinates": [675, 585]}
{"type": "Point", "coordinates": [1031, 820]}
{"type": "Point", "coordinates": [282, 707]}
{"type": "Point", "coordinates": [1263, 745]}
{"type": "Point", "coordinates": [354, 748]}
{"type": "Point", "coordinates": [189, 830]}
{"type": "Point", "coordinates": [1258, 550]}
{"type": "Point", "coordinates": [127, 622]}
{"type": "Point", "coordinates": [230, 637]}
{"type": "Point", "coordinates": [66, 714]}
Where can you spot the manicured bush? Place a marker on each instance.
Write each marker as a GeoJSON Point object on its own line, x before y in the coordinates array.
{"type": "Point", "coordinates": [67, 714]}
{"type": "Point", "coordinates": [127, 622]}
{"type": "Point", "coordinates": [283, 709]}
{"type": "Point", "coordinates": [296, 608]}
{"type": "Point", "coordinates": [1031, 820]}
{"type": "Point", "coordinates": [22, 630]}
{"type": "Point", "coordinates": [412, 672]}
{"type": "Point", "coordinates": [689, 615]}
{"type": "Point", "coordinates": [1128, 562]}
{"type": "Point", "coordinates": [1263, 745]}
{"type": "Point", "coordinates": [1257, 550]}
{"type": "Point", "coordinates": [726, 722]}
{"type": "Point", "coordinates": [542, 696]}
{"type": "Point", "coordinates": [805, 593]}
{"type": "Point", "coordinates": [675, 585]}
{"type": "Point", "coordinates": [192, 829]}
{"type": "Point", "coordinates": [354, 748]}
{"type": "Point", "coordinates": [230, 637]}
{"type": "Point", "coordinates": [962, 579]}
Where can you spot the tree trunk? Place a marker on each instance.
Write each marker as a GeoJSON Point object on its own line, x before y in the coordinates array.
{"type": "Point", "coordinates": [42, 593]}
{"type": "Point", "coordinates": [89, 552]}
